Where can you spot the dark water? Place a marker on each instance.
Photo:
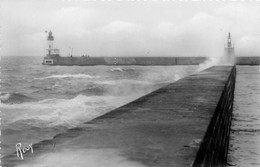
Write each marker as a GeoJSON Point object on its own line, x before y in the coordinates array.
{"type": "Point", "coordinates": [245, 129]}
{"type": "Point", "coordinates": [39, 101]}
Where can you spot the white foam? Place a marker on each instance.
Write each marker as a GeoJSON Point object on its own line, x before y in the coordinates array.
{"type": "Point", "coordinates": [124, 81]}
{"type": "Point", "coordinates": [65, 112]}
{"type": "Point", "coordinates": [69, 76]}
{"type": "Point", "coordinates": [211, 61]}
{"type": "Point", "coordinates": [117, 69]}
{"type": "Point", "coordinates": [177, 77]}
{"type": "Point", "coordinates": [5, 96]}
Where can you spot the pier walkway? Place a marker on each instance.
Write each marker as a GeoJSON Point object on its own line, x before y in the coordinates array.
{"type": "Point", "coordinates": [172, 126]}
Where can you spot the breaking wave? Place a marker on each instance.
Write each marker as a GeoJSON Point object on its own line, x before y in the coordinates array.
{"type": "Point", "coordinates": [120, 69]}
{"type": "Point", "coordinates": [61, 112]}
{"type": "Point", "coordinates": [14, 98]}
{"type": "Point", "coordinates": [91, 91]}
{"type": "Point", "coordinates": [117, 69]}
{"type": "Point", "coordinates": [68, 76]}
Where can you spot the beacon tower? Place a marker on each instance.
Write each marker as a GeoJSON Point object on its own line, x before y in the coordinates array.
{"type": "Point", "coordinates": [51, 50]}
{"type": "Point", "coordinates": [229, 50]}
{"type": "Point", "coordinates": [50, 39]}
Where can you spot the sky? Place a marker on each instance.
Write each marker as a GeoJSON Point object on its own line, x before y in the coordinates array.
{"type": "Point", "coordinates": [129, 27]}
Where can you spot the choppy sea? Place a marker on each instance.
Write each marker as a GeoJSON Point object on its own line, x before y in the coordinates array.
{"type": "Point", "coordinates": [41, 101]}
{"type": "Point", "coordinates": [244, 150]}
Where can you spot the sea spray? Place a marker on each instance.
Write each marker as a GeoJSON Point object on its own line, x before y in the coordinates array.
{"type": "Point", "coordinates": [65, 112]}
{"type": "Point", "coordinates": [211, 61]}
{"type": "Point", "coordinates": [68, 76]}
{"type": "Point", "coordinates": [65, 97]}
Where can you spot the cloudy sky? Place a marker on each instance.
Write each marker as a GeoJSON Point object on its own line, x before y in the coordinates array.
{"type": "Point", "coordinates": [129, 28]}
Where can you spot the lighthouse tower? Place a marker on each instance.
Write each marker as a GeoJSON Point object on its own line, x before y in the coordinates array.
{"type": "Point", "coordinates": [229, 50]}
{"type": "Point", "coordinates": [51, 50]}
{"type": "Point", "coordinates": [50, 39]}
{"type": "Point", "coordinates": [52, 53]}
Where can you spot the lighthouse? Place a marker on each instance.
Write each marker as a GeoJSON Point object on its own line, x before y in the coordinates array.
{"type": "Point", "coordinates": [229, 50]}
{"type": "Point", "coordinates": [50, 39]}
{"type": "Point", "coordinates": [51, 50]}
{"type": "Point", "coordinates": [52, 53]}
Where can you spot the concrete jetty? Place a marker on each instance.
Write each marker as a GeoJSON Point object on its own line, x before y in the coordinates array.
{"type": "Point", "coordinates": [142, 61]}
{"type": "Point", "coordinates": [182, 124]}
{"type": "Point", "coordinates": [112, 61]}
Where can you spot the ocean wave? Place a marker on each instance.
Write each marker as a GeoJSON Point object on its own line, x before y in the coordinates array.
{"type": "Point", "coordinates": [61, 112]}
{"type": "Point", "coordinates": [117, 69]}
{"type": "Point", "coordinates": [68, 76]}
{"type": "Point", "coordinates": [15, 98]}
{"type": "Point", "coordinates": [122, 87]}
{"type": "Point", "coordinates": [125, 81]}
{"type": "Point", "coordinates": [91, 91]}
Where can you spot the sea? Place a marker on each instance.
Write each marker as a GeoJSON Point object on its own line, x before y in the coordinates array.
{"type": "Point", "coordinates": [244, 149]}
{"type": "Point", "coordinates": [39, 101]}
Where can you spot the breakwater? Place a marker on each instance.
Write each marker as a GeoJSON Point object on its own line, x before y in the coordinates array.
{"type": "Point", "coordinates": [248, 60]}
{"type": "Point", "coordinates": [88, 61]}
{"type": "Point", "coordinates": [142, 61]}
{"type": "Point", "coordinates": [164, 128]}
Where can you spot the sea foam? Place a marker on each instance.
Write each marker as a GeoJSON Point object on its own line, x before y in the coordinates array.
{"type": "Point", "coordinates": [62, 112]}
{"type": "Point", "coordinates": [11, 98]}
{"type": "Point", "coordinates": [68, 76]}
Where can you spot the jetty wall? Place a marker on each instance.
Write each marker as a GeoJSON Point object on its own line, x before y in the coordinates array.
{"type": "Point", "coordinates": [214, 147]}
{"type": "Point", "coordinates": [248, 60]}
{"type": "Point", "coordinates": [88, 61]}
